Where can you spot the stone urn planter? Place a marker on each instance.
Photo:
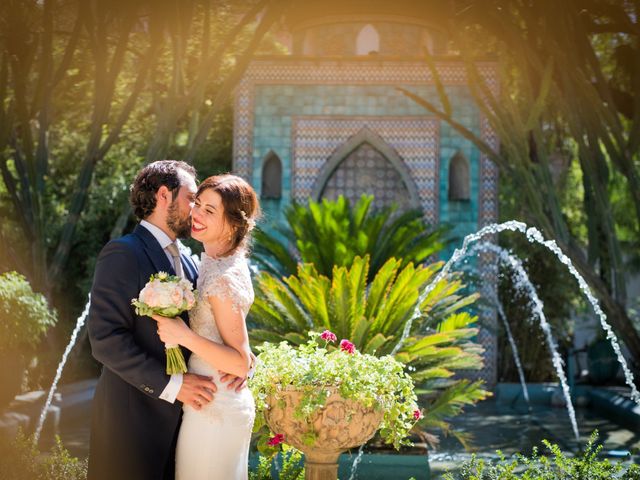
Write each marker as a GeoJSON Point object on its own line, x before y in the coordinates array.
{"type": "Point", "coordinates": [340, 425]}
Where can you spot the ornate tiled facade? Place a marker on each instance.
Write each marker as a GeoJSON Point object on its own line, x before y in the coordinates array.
{"type": "Point", "coordinates": [414, 138]}
{"type": "Point", "coordinates": [305, 109]}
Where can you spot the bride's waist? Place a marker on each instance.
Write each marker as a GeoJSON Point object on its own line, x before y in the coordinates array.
{"type": "Point", "coordinates": [201, 367]}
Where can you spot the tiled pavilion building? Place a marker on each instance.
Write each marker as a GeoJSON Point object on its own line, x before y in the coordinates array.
{"type": "Point", "coordinates": [327, 119]}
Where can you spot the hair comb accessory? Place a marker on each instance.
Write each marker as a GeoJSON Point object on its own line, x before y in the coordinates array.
{"type": "Point", "coordinates": [251, 223]}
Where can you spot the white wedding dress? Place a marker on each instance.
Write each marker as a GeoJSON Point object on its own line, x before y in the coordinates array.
{"type": "Point", "coordinates": [213, 443]}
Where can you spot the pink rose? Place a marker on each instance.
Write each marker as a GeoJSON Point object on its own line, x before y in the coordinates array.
{"type": "Point", "coordinates": [176, 296]}
{"type": "Point", "coordinates": [328, 336]}
{"type": "Point", "coordinates": [190, 298]}
{"type": "Point", "coordinates": [417, 415]}
{"type": "Point", "coordinates": [276, 440]}
{"type": "Point", "coordinates": [150, 296]}
{"type": "Point", "coordinates": [164, 297]}
{"type": "Point", "coordinates": [347, 346]}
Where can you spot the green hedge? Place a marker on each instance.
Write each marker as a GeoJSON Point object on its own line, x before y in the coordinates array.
{"type": "Point", "coordinates": [25, 315]}
{"type": "Point", "coordinates": [556, 465]}
{"type": "Point", "coordinates": [21, 460]}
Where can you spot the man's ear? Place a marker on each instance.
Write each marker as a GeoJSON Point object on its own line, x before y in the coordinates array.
{"type": "Point", "coordinates": [163, 196]}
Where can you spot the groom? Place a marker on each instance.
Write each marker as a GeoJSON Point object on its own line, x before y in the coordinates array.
{"type": "Point", "coordinates": [137, 407]}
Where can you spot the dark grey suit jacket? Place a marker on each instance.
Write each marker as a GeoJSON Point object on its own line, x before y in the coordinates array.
{"type": "Point", "coordinates": [133, 431]}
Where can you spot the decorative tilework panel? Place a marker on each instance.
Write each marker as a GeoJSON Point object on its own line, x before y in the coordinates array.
{"type": "Point", "coordinates": [414, 139]}
{"type": "Point", "coordinates": [366, 170]}
{"type": "Point", "coordinates": [488, 213]}
{"type": "Point", "coordinates": [333, 72]}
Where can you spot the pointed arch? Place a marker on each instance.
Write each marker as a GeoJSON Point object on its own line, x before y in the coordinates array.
{"type": "Point", "coordinates": [366, 136]}
{"type": "Point", "coordinates": [271, 176]}
{"type": "Point", "coordinates": [368, 40]}
{"type": "Point", "coordinates": [459, 178]}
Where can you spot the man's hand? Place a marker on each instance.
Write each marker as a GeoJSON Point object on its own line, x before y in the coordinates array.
{"type": "Point", "coordinates": [196, 390]}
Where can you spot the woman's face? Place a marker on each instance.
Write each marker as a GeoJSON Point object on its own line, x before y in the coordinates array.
{"type": "Point", "coordinates": [208, 223]}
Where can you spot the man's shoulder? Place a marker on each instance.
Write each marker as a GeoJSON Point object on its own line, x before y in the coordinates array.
{"type": "Point", "coordinates": [128, 244]}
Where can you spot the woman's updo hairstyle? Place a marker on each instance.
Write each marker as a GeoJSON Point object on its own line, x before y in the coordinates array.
{"type": "Point", "coordinates": [240, 202]}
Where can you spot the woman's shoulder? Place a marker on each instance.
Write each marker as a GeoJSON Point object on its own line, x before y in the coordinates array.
{"type": "Point", "coordinates": [231, 272]}
{"type": "Point", "coordinates": [227, 278]}
{"type": "Point", "coordinates": [235, 263]}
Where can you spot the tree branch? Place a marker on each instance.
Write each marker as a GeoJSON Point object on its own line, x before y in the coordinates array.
{"type": "Point", "coordinates": [272, 13]}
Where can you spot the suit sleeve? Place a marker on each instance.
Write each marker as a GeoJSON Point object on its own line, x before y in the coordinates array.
{"type": "Point", "coordinates": [111, 322]}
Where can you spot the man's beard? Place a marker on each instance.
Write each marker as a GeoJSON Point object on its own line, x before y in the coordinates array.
{"type": "Point", "coordinates": [178, 225]}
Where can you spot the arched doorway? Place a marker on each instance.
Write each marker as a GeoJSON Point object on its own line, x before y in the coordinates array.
{"type": "Point", "coordinates": [366, 164]}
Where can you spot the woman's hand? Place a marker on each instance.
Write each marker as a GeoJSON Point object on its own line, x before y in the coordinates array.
{"type": "Point", "coordinates": [173, 331]}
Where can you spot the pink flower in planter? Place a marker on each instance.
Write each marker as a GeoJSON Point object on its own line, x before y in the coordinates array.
{"type": "Point", "coordinates": [328, 336]}
{"type": "Point", "coordinates": [347, 346]}
{"type": "Point", "coordinates": [417, 415]}
{"type": "Point", "coordinates": [277, 439]}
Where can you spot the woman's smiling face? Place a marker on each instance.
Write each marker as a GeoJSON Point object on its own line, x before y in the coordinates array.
{"type": "Point", "coordinates": [208, 224]}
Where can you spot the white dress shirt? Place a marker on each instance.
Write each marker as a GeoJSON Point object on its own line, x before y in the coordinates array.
{"type": "Point", "coordinates": [172, 389]}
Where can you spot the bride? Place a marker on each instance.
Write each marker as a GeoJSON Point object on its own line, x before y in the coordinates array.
{"type": "Point", "coordinates": [213, 442]}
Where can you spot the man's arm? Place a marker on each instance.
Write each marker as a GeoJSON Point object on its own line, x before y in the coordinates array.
{"type": "Point", "coordinates": [111, 318]}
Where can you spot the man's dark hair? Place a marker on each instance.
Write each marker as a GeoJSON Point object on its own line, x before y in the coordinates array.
{"type": "Point", "coordinates": [150, 179]}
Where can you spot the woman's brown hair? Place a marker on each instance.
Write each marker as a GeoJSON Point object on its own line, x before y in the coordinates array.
{"type": "Point", "coordinates": [240, 202]}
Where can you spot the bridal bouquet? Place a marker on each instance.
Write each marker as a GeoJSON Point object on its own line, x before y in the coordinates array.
{"type": "Point", "coordinates": [168, 296]}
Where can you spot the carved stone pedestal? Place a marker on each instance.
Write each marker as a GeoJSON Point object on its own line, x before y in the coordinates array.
{"type": "Point", "coordinates": [340, 425]}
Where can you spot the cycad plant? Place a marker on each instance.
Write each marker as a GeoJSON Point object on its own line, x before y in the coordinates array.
{"type": "Point", "coordinates": [330, 233]}
{"type": "Point", "coordinates": [373, 316]}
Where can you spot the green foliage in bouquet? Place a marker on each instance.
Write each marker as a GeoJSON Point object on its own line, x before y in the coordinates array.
{"type": "Point", "coordinates": [318, 367]}
{"type": "Point", "coordinates": [556, 466]}
{"type": "Point", "coordinates": [330, 233]}
{"type": "Point", "coordinates": [21, 460]}
{"type": "Point", "coordinates": [25, 315]}
{"type": "Point", "coordinates": [373, 316]}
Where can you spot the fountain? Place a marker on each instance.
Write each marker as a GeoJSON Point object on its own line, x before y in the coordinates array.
{"type": "Point", "coordinates": [514, 348]}
{"type": "Point", "coordinates": [522, 280]}
{"type": "Point", "coordinates": [356, 462]}
{"type": "Point", "coordinates": [43, 414]}
{"type": "Point", "coordinates": [533, 235]}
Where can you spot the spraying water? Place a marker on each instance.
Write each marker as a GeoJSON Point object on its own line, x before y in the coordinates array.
{"type": "Point", "coordinates": [534, 236]}
{"type": "Point", "coordinates": [522, 281]}
{"type": "Point", "coordinates": [43, 415]}
{"type": "Point", "coordinates": [496, 301]}
{"type": "Point", "coordinates": [514, 350]}
{"type": "Point", "coordinates": [356, 462]}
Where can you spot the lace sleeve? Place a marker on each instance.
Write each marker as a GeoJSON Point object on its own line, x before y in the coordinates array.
{"type": "Point", "coordinates": [231, 283]}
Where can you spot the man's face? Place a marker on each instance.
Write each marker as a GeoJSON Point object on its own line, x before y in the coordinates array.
{"type": "Point", "coordinates": [179, 212]}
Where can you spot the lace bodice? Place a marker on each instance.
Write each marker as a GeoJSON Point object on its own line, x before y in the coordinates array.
{"type": "Point", "coordinates": [226, 277]}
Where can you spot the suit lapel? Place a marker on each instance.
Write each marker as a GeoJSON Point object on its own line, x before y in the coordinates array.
{"type": "Point", "coordinates": [158, 258]}
{"type": "Point", "coordinates": [154, 251]}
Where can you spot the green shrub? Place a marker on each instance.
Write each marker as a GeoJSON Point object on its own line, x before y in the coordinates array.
{"type": "Point", "coordinates": [21, 460]}
{"type": "Point", "coordinates": [291, 466]}
{"type": "Point", "coordinates": [555, 466]}
{"type": "Point", "coordinates": [333, 233]}
{"type": "Point", "coordinates": [24, 315]}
